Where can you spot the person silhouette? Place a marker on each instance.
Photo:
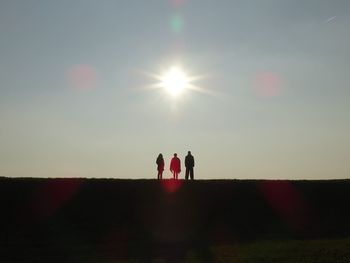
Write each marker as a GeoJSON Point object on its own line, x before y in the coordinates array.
{"type": "Point", "coordinates": [189, 164]}
{"type": "Point", "coordinates": [160, 166]}
{"type": "Point", "coordinates": [175, 166]}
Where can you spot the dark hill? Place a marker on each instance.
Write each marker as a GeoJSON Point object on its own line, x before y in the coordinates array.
{"type": "Point", "coordinates": [49, 218]}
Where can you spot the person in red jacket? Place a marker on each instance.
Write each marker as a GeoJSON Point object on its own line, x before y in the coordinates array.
{"type": "Point", "coordinates": [175, 166]}
{"type": "Point", "coordinates": [160, 166]}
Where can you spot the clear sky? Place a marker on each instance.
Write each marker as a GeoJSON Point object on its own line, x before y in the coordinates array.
{"type": "Point", "coordinates": [75, 96]}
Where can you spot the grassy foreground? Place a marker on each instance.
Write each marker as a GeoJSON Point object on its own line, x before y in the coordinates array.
{"type": "Point", "coordinates": [105, 221]}
{"type": "Point", "coordinates": [317, 251]}
{"type": "Point", "coordinates": [287, 251]}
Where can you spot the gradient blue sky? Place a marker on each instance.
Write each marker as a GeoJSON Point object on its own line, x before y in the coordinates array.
{"type": "Point", "coordinates": [74, 100]}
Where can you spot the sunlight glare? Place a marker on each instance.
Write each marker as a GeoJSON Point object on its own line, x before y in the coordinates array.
{"type": "Point", "coordinates": [175, 81]}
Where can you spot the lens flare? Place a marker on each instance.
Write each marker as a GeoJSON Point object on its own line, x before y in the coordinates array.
{"type": "Point", "coordinates": [177, 3]}
{"type": "Point", "coordinates": [171, 186]}
{"type": "Point", "coordinates": [83, 77]}
{"type": "Point", "coordinates": [268, 85]}
{"type": "Point", "coordinates": [288, 202]}
{"type": "Point", "coordinates": [177, 23]}
{"type": "Point", "coordinates": [175, 81]}
{"type": "Point", "coordinates": [53, 195]}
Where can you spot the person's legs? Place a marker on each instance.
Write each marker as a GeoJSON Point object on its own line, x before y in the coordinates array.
{"type": "Point", "coordinates": [191, 174]}
{"type": "Point", "coordinates": [160, 175]}
{"type": "Point", "coordinates": [186, 175]}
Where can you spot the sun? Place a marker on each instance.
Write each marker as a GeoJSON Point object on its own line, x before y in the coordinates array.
{"type": "Point", "coordinates": [174, 81]}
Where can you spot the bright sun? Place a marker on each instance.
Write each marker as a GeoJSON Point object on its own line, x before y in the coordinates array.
{"type": "Point", "coordinates": [175, 81]}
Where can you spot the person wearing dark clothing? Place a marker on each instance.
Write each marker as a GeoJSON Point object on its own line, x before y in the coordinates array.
{"type": "Point", "coordinates": [160, 166]}
{"type": "Point", "coordinates": [189, 164]}
{"type": "Point", "coordinates": [175, 166]}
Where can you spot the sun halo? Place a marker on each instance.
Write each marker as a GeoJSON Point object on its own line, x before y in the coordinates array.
{"type": "Point", "coordinates": [174, 81]}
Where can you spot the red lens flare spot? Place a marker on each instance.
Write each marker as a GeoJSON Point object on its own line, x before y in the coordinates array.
{"type": "Point", "coordinates": [288, 202]}
{"type": "Point", "coordinates": [268, 85]}
{"type": "Point", "coordinates": [172, 185]}
{"type": "Point", "coordinates": [83, 77]}
{"type": "Point", "coordinates": [53, 195]}
{"type": "Point", "coordinates": [177, 2]}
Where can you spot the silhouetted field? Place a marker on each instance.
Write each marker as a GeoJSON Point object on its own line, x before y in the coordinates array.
{"type": "Point", "coordinates": [108, 220]}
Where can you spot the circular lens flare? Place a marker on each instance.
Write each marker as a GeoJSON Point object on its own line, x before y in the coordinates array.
{"type": "Point", "coordinates": [175, 81]}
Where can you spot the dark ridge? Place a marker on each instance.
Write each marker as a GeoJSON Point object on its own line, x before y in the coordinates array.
{"type": "Point", "coordinates": [134, 218]}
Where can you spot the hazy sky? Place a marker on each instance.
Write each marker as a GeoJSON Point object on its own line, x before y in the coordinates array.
{"type": "Point", "coordinates": [74, 100]}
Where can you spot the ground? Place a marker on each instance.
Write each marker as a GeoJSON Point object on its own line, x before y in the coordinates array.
{"type": "Point", "coordinates": [106, 220]}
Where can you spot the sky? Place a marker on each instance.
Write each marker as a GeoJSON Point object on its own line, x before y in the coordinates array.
{"type": "Point", "coordinates": [78, 96]}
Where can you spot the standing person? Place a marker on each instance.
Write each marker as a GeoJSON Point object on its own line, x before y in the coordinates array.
{"type": "Point", "coordinates": [189, 163]}
{"type": "Point", "coordinates": [175, 166]}
{"type": "Point", "coordinates": [160, 166]}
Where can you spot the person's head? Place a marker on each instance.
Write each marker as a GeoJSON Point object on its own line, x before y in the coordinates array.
{"type": "Point", "coordinates": [175, 154]}
{"type": "Point", "coordinates": [160, 155]}
{"type": "Point", "coordinates": [189, 152]}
